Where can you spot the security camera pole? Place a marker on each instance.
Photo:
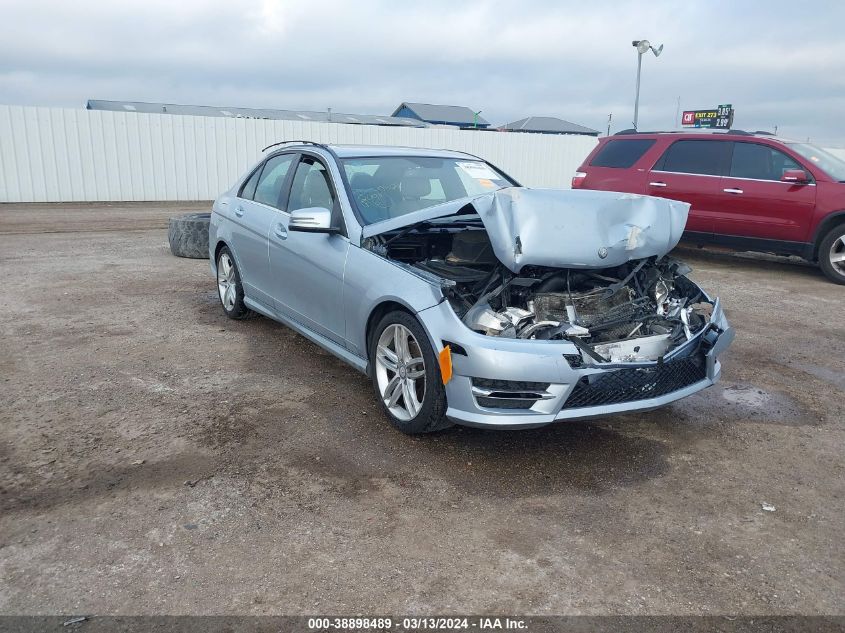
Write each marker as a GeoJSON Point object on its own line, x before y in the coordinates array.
{"type": "Point", "coordinates": [642, 47]}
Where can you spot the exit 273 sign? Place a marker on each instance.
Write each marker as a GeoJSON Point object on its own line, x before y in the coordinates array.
{"type": "Point", "coordinates": [720, 118]}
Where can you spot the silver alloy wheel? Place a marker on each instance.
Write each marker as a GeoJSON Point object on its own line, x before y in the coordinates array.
{"type": "Point", "coordinates": [400, 372]}
{"type": "Point", "coordinates": [837, 255]}
{"type": "Point", "coordinates": [226, 281]}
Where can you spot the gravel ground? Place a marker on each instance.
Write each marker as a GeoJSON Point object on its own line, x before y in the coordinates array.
{"type": "Point", "coordinates": [156, 457]}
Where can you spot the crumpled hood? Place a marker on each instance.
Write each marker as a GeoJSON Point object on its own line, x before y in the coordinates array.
{"type": "Point", "coordinates": [580, 229]}
{"type": "Point", "coordinates": [566, 228]}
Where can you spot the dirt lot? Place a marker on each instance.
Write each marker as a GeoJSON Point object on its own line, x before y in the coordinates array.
{"type": "Point", "coordinates": [156, 457]}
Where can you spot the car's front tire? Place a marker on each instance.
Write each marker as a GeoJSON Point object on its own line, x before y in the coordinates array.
{"type": "Point", "coordinates": [832, 254]}
{"type": "Point", "coordinates": [229, 286]}
{"type": "Point", "coordinates": [406, 375]}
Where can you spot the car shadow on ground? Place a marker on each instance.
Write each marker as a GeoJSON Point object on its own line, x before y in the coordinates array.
{"type": "Point", "coordinates": [764, 262]}
{"type": "Point", "coordinates": [322, 421]}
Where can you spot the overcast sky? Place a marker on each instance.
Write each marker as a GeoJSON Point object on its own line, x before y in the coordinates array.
{"type": "Point", "coordinates": [778, 63]}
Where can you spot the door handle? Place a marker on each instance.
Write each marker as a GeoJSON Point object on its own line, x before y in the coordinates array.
{"type": "Point", "coordinates": [281, 232]}
{"type": "Point", "coordinates": [657, 184]}
{"type": "Point", "coordinates": [732, 190]}
{"type": "Point", "coordinates": [239, 210]}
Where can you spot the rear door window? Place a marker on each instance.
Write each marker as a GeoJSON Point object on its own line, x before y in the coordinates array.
{"type": "Point", "coordinates": [707, 158]}
{"type": "Point", "coordinates": [269, 189]}
{"type": "Point", "coordinates": [248, 190]}
{"type": "Point", "coordinates": [621, 152]}
{"type": "Point", "coordinates": [759, 162]}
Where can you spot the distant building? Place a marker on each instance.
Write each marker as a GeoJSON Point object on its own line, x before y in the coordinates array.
{"type": "Point", "coordinates": [251, 113]}
{"type": "Point", "coordinates": [460, 116]}
{"type": "Point", "coordinates": [547, 125]}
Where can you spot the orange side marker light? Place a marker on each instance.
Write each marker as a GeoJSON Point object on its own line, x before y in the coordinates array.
{"type": "Point", "coordinates": [445, 358]}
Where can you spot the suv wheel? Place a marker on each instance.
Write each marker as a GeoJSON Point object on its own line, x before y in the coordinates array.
{"type": "Point", "coordinates": [229, 286]}
{"type": "Point", "coordinates": [406, 375]}
{"type": "Point", "coordinates": [832, 254]}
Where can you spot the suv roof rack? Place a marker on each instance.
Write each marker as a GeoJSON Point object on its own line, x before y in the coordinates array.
{"type": "Point", "coordinates": [693, 131]}
{"type": "Point", "coordinates": [302, 142]}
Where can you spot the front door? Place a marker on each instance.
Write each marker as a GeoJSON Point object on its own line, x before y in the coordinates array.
{"type": "Point", "coordinates": [757, 203]}
{"type": "Point", "coordinates": [307, 268]}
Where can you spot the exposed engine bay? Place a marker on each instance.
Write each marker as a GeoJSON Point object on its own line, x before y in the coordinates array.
{"type": "Point", "coordinates": [634, 312]}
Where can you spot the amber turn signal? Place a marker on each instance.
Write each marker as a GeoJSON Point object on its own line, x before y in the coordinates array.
{"type": "Point", "coordinates": [445, 358]}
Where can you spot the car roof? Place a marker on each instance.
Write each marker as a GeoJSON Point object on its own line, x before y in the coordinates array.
{"type": "Point", "coordinates": [367, 151]}
{"type": "Point", "coordinates": [702, 134]}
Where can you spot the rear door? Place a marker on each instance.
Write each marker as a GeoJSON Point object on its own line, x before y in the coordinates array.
{"type": "Point", "coordinates": [757, 204]}
{"type": "Point", "coordinates": [255, 209]}
{"type": "Point", "coordinates": [690, 170]}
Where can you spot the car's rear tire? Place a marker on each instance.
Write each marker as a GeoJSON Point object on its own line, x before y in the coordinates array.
{"type": "Point", "coordinates": [406, 375]}
{"type": "Point", "coordinates": [832, 254]}
{"type": "Point", "coordinates": [188, 235]}
{"type": "Point", "coordinates": [230, 290]}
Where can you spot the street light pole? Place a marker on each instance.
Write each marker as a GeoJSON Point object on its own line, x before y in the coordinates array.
{"type": "Point", "coordinates": [637, 97]}
{"type": "Point", "coordinates": [642, 46]}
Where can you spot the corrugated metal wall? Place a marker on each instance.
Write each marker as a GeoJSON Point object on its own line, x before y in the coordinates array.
{"type": "Point", "coordinates": [64, 155]}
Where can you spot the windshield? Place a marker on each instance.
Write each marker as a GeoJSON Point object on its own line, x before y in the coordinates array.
{"type": "Point", "coordinates": [827, 162]}
{"type": "Point", "coordinates": [387, 187]}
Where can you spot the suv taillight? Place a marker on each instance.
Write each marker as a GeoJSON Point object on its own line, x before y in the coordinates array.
{"type": "Point", "coordinates": [578, 179]}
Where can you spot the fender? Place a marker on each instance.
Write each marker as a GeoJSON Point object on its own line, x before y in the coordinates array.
{"type": "Point", "coordinates": [827, 222]}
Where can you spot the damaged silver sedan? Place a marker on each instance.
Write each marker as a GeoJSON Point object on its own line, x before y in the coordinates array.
{"type": "Point", "coordinates": [465, 297]}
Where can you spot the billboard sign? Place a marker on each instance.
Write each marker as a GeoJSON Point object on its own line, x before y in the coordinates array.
{"type": "Point", "coordinates": [720, 118]}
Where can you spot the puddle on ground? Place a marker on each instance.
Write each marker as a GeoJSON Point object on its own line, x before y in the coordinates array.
{"type": "Point", "coordinates": [747, 402]}
{"type": "Point", "coordinates": [746, 396]}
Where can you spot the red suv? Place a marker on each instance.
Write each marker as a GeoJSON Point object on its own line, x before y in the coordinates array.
{"type": "Point", "coordinates": [748, 191]}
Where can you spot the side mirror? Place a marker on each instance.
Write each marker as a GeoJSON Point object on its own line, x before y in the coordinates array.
{"type": "Point", "coordinates": [312, 220]}
{"type": "Point", "coordinates": [796, 176]}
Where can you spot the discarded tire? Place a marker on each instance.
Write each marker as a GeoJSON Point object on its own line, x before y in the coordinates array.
{"type": "Point", "coordinates": [188, 235]}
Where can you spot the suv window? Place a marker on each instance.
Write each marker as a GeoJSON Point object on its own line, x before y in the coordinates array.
{"type": "Point", "coordinates": [760, 162]}
{"type": "Point", "coordinates": [269, 189]}
{"type": "Point", "coordinates": [310, 186]}
{"type": "Point", "coordinates": [621, 152]}
{"type": "Point", "coordinates": [827, 162]}
{"type": "Point", "coordinates": [709, 158]}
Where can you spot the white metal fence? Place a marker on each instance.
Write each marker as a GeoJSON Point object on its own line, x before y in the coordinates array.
{"type": "Point", "coordinates": [64, 155]}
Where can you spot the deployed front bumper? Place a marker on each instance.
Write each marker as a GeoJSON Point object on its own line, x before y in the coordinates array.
{"type": "Point", "coordinates": [517, 383]}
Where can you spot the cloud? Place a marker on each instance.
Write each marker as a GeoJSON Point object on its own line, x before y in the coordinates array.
{"type": "Point", "coordinates": [509, 59]}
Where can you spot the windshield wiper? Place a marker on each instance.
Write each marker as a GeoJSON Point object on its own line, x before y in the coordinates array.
{"type": "Point", "coordinates": [408, 229]}
{"type": "Point", "coordinates": [449, 220]}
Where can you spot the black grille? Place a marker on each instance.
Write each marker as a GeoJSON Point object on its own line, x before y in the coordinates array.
{"type": "Point", "coordinates": [504, 403]}
{"type": "Point", "coordinates": [508, 394]}
{"type": "Point", "coordinates": [629, 385]}
{"type": "Point", "coordinates": [574, 360]}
